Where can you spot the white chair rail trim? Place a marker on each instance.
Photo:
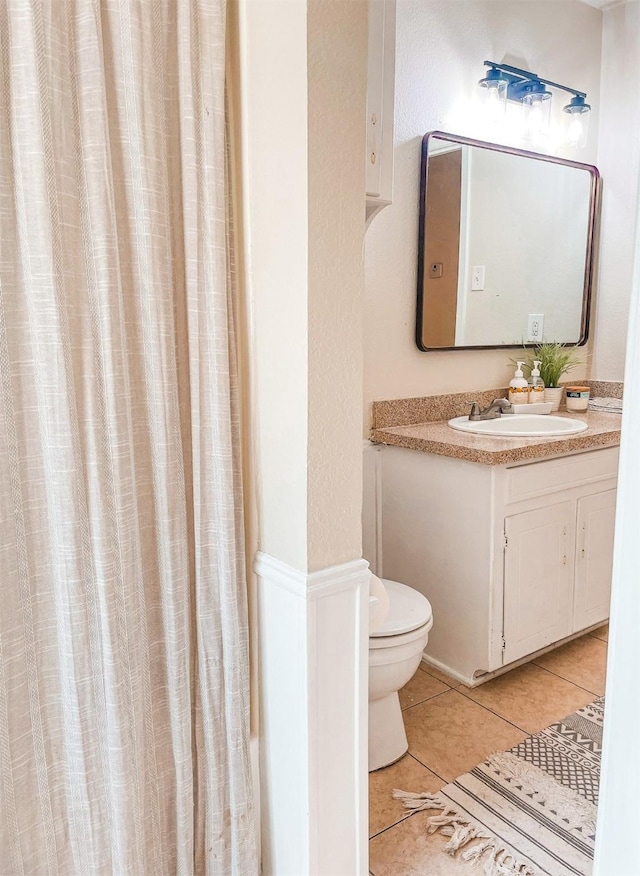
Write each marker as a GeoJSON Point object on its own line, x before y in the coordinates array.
{"type": "Point", "coordinates": [310, 585]}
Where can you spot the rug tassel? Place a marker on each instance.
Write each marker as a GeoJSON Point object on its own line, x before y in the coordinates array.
{"type": "Point", "coordinates": [419, 802]}
{"type": "Point", "coordinates": [461, 835]}
{"type": "Point", "coordinates": [498, 861]}
{"type": "Point", "coordinates": [472, 854]}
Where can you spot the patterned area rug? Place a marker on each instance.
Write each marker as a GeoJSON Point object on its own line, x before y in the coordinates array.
{"type": "Point", "coordinates": [531, 810]}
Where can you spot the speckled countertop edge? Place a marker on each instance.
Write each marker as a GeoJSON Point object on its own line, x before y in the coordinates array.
{"type": "Point", "coordinates": [442, 440]}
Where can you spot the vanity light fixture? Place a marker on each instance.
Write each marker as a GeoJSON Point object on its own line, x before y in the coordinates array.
{"type": "Point", "coordinates": [504, 83]}
{"type": "Point", "coordinates": [494, 94]}
{"type": "Point", "coordinates": [577, 121]}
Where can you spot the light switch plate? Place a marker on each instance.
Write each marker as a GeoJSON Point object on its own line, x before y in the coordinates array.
{"type": "Point", "coordinates": [477, 278]}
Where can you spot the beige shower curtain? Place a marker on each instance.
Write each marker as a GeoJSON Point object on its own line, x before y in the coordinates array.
{"type": "Point", "coordinates": [123, 631]}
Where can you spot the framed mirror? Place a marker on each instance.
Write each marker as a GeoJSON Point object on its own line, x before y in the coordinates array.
{"type": "Point", "coordinates": [505, 247]}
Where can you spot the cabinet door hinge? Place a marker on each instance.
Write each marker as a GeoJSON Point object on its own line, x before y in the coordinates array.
{"type": "Point", "coordinates": [504, 644]}
{"type": "Point", "coordinates": [506, 540]}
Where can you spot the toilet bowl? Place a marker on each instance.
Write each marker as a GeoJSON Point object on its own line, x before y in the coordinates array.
{"type": "Point", "coordinates": [395, 649]}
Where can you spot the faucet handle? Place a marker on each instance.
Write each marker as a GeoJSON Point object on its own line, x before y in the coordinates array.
{"type": "Point", "coordinates": [504, 404]}
{"type": "Point", "coordinates": [474, 413]}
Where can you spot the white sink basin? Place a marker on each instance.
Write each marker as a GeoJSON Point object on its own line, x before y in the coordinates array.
{"type": "Point", "coordinates": [520, 426]}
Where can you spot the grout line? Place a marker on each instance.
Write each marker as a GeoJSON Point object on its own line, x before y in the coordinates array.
{"type": "Point", "coordinates": [581, 686]}
{"type": "Point", "coordinates": [426, 700]}
{"type": "Point", "coordinates": [427, 767]}
{"type": "Point", "coordinates": [409, 814]}
{"type": "Point", "coordinates": [430, 697]}
{"type": "Point", "coordinates": [495, 714]}
{"type": "Point", "coordinates": [491, 712]}
{"type": "Point", "coordinates": [451, 686]}
{"type": "Point", "coordinates": [599, 638]}
{"type": "Point", "coordinates": [390, 826]}
{"type": "Point", "coordinates": [518, 726]}
{"type": "Point", "coordinates": [395, 824]}
{"type": "Point", "coordinates": [417, 760]}
{"type": "Point", "coordinates": [431, 769]}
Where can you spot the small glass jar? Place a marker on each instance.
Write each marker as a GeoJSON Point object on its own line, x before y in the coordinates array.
{"type": "Point", "coordinates": [577, 398]}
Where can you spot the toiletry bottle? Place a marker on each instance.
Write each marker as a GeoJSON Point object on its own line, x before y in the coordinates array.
{"type": "Point", "coordinates": [536, 385]}
{"type": "Point", "coordinates": [518, 387]}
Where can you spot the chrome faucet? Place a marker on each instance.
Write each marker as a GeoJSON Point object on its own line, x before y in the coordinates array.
{"type": "Point", "coordinates": [497, 407]}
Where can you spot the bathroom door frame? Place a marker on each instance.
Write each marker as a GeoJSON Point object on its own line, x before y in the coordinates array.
{"type": "Point", "coordinates": [617, 850]}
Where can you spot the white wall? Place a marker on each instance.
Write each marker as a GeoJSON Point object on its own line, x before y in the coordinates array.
{"type": "Point", "coordinates": [337, 51]}
{"type": "Point", "coordinates": [441, 46]}
{"type": "Point", "coordinates": [618, 159]}
{"type": "Point", "coordinates": [306, 274]}
{"type": "Point", "coordinates": [275, 134]}
{"type": "Point", "coordinates": [511, 200]}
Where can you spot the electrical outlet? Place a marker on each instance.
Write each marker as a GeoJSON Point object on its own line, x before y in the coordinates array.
{"type": "Point", "coordinates": [535, 328]}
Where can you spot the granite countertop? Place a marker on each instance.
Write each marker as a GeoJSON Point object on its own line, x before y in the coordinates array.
{"type": "Point", "coordinates": [439, 438]}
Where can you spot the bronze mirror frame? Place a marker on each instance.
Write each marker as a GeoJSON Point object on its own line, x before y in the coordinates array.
{"type": "Point", "coordinates": [594, 204]}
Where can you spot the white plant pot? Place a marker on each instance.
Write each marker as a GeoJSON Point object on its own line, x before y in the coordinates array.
{"type": "Point", "coordinates": [554, 395]}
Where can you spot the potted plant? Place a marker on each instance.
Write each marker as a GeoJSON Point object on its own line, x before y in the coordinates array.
{"type": "Point", "coordinates": [555, 360]}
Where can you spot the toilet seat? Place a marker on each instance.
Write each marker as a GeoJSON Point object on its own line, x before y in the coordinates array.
{"type": "Point", "coordinates": [409, 610]}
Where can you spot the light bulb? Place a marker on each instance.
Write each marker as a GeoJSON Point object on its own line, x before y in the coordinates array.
{"type": "Point", "coordinates": [576, 122]}
{"type": "Point", "coordinates": [535, 118]}
{"type": "Point", "coordinates": [537, 110]}
{"type": "Point", "coordinates": [494, 106]}
{"type": "Point", "coordinates": [493, 95]}
{"type": "Point", "coordinates": [574, 130]}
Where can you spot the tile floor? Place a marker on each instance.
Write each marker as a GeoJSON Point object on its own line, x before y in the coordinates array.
{"type": "Point", "coordinates": [451, 728]}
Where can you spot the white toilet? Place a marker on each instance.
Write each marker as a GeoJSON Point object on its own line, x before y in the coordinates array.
{"type": "Point", "coordinates": [395, 649]}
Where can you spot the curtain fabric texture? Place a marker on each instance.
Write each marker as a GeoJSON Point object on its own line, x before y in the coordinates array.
{"type": "Point", "coordinates": [123, 632]}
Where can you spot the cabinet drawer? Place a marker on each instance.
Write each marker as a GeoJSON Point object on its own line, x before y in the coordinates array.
{"type": "Point", "coordinates": [547, 476]}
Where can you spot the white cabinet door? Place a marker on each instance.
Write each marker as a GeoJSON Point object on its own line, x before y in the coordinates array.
{"type": "Point", "coordinates": [594, 558]}
{"type": "Point", "coordinates": [538, 578]}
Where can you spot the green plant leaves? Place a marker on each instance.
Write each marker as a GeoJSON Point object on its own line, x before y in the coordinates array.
{"type": "Point", "coordinates": [555, 360]}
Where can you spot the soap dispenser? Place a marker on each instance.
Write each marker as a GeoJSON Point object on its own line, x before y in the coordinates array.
{"type": "Point", "coordinates": [518, 387]}
{"type": "Point", "coordinates": [536, 384]}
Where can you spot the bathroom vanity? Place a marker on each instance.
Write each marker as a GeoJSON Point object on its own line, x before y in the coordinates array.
{"type": "Point", "coordinates": [510, 540]}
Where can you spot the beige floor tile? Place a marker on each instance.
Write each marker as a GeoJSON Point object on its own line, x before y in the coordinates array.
{"type": "Point", "coordinates": [407, 775]}
{"type": "Point", "coordinates": [583, 661]}
{"type": "Point", "coordinates": [450, 734]}
{"type": "Point", "coordinates": [441, 676]}
{"type": "Point", "coordinates": [420, 688]}
{"type": "Point", "coordinates": [601, 633]}
{"type": "Point", "coordinates": [408, 850]}
{"type": "Point", "coordinates": [529, 697]}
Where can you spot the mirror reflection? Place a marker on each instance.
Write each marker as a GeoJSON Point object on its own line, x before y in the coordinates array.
{"type": "Point", "coordinates": [505, 247]}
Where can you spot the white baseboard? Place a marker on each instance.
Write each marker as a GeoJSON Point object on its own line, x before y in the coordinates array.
{"type": "Point", "coordinates": [313, 673]}
{"type": "Point", "coordinates": [442, 667]}
{"type": "Point", "coordinates": [479, 680]}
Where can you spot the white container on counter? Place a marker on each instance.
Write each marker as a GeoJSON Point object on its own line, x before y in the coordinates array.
{"type": "Point", "coordinates": [577, 398]}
